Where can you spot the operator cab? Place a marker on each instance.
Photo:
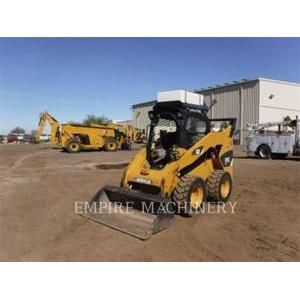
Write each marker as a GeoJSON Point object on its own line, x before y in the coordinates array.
{"type": "Point", "coordinates": [174, 125]}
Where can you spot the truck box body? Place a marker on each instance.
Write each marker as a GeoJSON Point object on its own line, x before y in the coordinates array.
{"type": "Point", "coordinates": [278, 143]}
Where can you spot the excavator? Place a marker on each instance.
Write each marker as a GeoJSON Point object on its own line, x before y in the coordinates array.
{"type": "Point", "coordinates": [188, 159]}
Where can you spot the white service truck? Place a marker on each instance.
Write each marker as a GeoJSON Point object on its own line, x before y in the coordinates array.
{"type": "Point", "coordinates": [280, 143]}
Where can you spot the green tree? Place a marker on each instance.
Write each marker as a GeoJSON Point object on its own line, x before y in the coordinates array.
{"type": "Point", "coordinates": [18, 130]}
{"type": "Point", "coordinates": [102, 120]}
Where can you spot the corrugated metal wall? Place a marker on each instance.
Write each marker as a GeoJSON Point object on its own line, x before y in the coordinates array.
{"type": "Point", "coordinates": [208, 101]}
{"type": "Point", "coordinates": [140, 116]}
{"type": "Point", "coordinates": [240, 101]}
{"type": "Point", "coordinates": [250, 103]}
{"type": "Point", "coordinates": [228, 105]}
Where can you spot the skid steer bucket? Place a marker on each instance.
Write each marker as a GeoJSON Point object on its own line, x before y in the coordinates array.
{"type": "Point", "coordinates": [133, 212]}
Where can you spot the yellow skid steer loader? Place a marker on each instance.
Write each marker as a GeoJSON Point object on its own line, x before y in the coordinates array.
{"type": "Point", "coordinates": [187, 160]}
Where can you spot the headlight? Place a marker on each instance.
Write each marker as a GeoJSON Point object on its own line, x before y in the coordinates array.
{"type": "Point", "coordinates": [143, 180]}
{"type": "Point", "coordinates": [198, 151]}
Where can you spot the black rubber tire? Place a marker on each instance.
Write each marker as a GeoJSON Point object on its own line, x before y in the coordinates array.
{"type": "Point", "coordinates": [264, 152]}
{"type": "Point", "coordinates": [111, 145]}
{"type": "Point", "coordinates": [73, 146]}
{"type": "Point", "coordinates": [214, 186]}
{"type": "Point", "coordinates": [279, 156]}
{"type": "Point", "coordinates": [126, 146]}
{"type": "Point", "coordinates": [182, 194]}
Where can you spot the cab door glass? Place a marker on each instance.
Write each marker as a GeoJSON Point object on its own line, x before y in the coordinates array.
{"type": "Point", "coordinates": [195, 128]}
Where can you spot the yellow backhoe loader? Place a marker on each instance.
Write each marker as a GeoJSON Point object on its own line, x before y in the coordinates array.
{"type": "Point", "coordinates": [139, 136]}
{"type": "Point", "coordinates": [125, 134]}
{"type": "Point", "coordinates": [76, 137]}
{"type": "Point", "coordinates": [187, 160]}
{"type": "Point", "coordinates": [129, 133]}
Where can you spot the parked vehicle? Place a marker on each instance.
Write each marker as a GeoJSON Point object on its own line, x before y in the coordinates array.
{"type": "Point", "coordinates": [27, 138]}
{"type": "Point", "coordinates": [266, 144]}
{"type": "Point", "coordinates": [45, 138]}
{"type": "Point", "coordinates": [15, 138]}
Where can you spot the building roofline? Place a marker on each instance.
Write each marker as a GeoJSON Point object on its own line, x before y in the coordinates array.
{"type": "Point", "coordinates": [143, 104]}
{"type": "Point", "coordinates": [233, 83]}
{"type": "Point", "coordinates": [279, 81]}
{"type": "Point", "coordinates": [226, 84]}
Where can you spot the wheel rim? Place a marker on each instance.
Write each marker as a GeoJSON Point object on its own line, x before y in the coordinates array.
{"type": "Point", "coordinates": [225, 188]}
{"type": "Point", "coordinates": [196, 197]}
{"type": "Point", "coordinates": [74, 147]}
{"type": "Point", "coordinates": [263, 152]}
{"type": "Point", "coordinates": [111, 146]}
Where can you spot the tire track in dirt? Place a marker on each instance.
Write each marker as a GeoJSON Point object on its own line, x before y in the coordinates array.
{"type": "Point", "coordinates": [21, 160]}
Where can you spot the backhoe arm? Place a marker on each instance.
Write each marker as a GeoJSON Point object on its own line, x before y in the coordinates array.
{"type": "Point", "coordinates": [44, 117]}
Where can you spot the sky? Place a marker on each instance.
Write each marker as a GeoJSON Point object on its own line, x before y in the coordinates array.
{"type": "Point", "coordinates": [73, 77]}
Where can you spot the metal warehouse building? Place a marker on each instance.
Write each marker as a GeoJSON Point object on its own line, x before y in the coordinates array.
{"type": "Point", "coordinates": [250, 101]}
{"type": "Point", "coordinates": [140, 117]}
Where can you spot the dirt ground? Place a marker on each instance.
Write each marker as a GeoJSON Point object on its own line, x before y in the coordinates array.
{"type": "Point", "coordinates": [39, 185]}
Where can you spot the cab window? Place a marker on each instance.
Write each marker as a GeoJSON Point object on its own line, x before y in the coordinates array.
{"type": "Point", "coordinates": [196, 128]}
